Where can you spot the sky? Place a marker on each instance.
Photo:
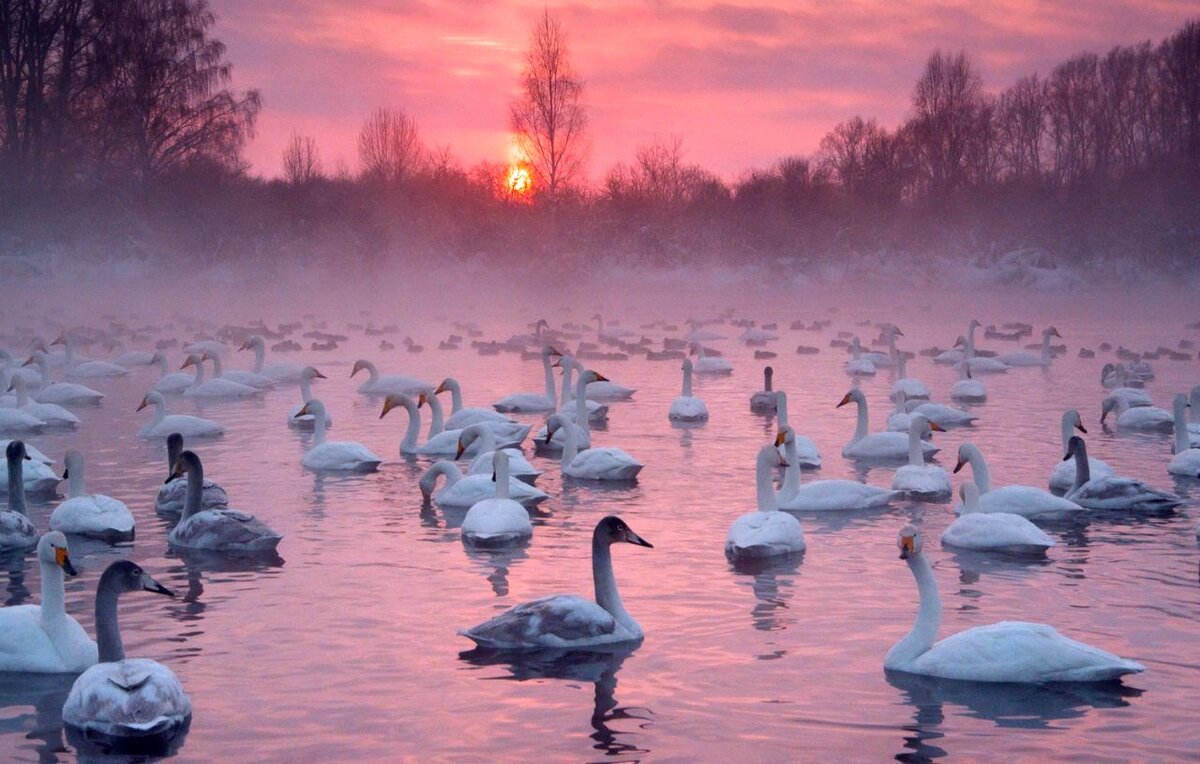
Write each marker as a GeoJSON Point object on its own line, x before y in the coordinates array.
{"type": "Point", "coordinates": [741, 84]}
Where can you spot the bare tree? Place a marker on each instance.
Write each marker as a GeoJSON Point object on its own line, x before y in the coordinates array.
{"type": "Point", "coordinates": [1180, 57]}
{"type": "Point", "coordinates": [1021, 120]}
{"type": "Point", "coordinates": [946, 102]}
{"type": "Point", "coordinates": [301, 161]}
{"type": "Point", "coordinates": [548, 118]}
{"type": "Point", "coordinates": [389, 147]}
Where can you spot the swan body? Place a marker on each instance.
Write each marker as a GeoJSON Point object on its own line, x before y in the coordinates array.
{"type": "Point", "coordinates": [466, 490]}
{"type": "Point", "coordinates": [86, 368]}
{"type": "Point", "coordinates": [918, 479]}
{"type": "Point", "coordinates": [164, 424]}
{"type": "Point", "coordinates": [377, 384]}
{"type": "Point", "coordinates": [51, 414]}
{"type": "Point", "coordinates": [689, 408]}
{"type": "Point", "coordinates": [1186, 461]}
{"type": "Point", "coordinates": [1137, 417]}
{"type": "Point", "coordinates": [767, 532]}
{"type": "Point", "coordinates": [334, 455]}
{"type": "Point", "coordinates": [89, 514]}
{"type": "Point", "coordinates": [43, 639]}
{"type": "Point", "coordinates": [1025, 358]}
{"type": "Point", "coordinates": [461, 417]}
{"type": "Point", "coordinates": [822, 495]}
{"type": "Point", "coordinates": [216, 388]}
{"type": "Point", "coordinates": [60, 392]}
{"type": "Point", "coordinates": [170, 381]}
{"type": "Point", "coordinates": [276, 372]}
{"type": "Point", "coordinates": [1024, 500]}
{"type": "Point", "coordinates": [497, 520]}
{"type": "Point", "coordinates": [121, 698]}
{"type": "Point", "coordinates": [25, 473]}
{"type": "Point", "coordinates": [534, 402]}
{"type": "Point", "coordinates": [568, 621]}
{"type": "Point", "coordinates": [942, 415]}
{"type": "Point", "coordinates": [807, 456]}
{"type": "Point", "coordinates": [1009, 651]}
{"type": "Point", "coordinates": [877, 445]}
{"type": "Point", "coordinates": [993, 531]}
{"type": "Point", "coordinates": [1062, 478]}
{"type": "Point", "coordinates": [305, 421]}
{"type": "Point", "coordinates": [912, 389]}
{"type": "Point", "coordinates": [709, 364]}
{"type": "Point", "coordinates": [763, 401]}
{"type": "Point", "coordinates": [967, 389]}
{"type": "Point", "coordinates": [173, 493]}
{"type": "Point", "coordinates": [1113, 492]}
{"type": "Point", "coordinates": [222, 530]}
{"type": "Point", "coordinates": [607, 463]}
{"type": "Point", "coordinates": [15, 420]}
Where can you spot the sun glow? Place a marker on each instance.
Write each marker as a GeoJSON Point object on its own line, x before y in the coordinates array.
{"type": "Point", "coordinates": [518, 179]}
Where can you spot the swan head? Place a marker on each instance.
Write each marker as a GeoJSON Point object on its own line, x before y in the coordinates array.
{"type": "Point", "coordinates": [59, 340]}
{"type": "Point", "coordinates": [158, 356]}
{"type": "Point", "coordinates": [553, 423]}
{"type": "Point", "coordinates": [964, 457]}
{"type": "Point", "coordinates": [152, 398]}
{"type": "Point", "coordinates": [128, 576]}
{"type": "Point", "coordinates": [52, 549]}
{"type": "Point", "coordinates": [187, 461]}
{"type": "Point", "coordinates": [975, 324]}
{"type": "Point", "coordinates": [613, 530]}
{"type": "Point", "coordinates": [256, 341]}
{"type": "Point", "coordinates": [548, 351]}
{"type": "Point", "coordinates": [1071, 418]}
{"type": "Point", "coordinates": [15, 452]}
{"type": "Point", "coordinates": [921, 425]}
{"type": "Point", "coordinates": [854, 395]}
{"type": "Point", "coordinates": [468, 436]}
{"type": "Point", "coordinates": [193, 359]}
{"type": "Point", "coordinates": [312, 406]}
{"type": "Point", "coordinates": [37, 358]}
{"type": "Point", "coordinates": [446, 384]}
{"type": "Point", "coordinates": [1109, 404]}
{"type": "Point", "coordinates": [592, 376]}
{"type": "Point", "coordinates": [73, 461]}
{"type": "Point", "coordinates": [310, 372]}
{"type": "Point", "coordinates": [769, 455]}
{"type": "Point", "coordinates": [960, 341]}
{"type": "Point", "coordinates": [909, 542]}
{"type": "Point", "coordinates": [1050, 331]}
{"type": "Point", "coordinates": [785, 434]}
{"type": "Point", "coordinates": [396, 399]}
{"type": "Point", "coordinates": [421, 400]}
{"type": "Point", "coordinates": [360, 365]}
{"type": "Point", "coordinates": [1075, 447]}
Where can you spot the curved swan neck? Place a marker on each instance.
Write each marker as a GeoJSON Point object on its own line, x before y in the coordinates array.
{"type": "Point", "coordinates": [456, 401]}
{"type": "Point", "coordinates": [762, 483]}
{"type": "Point", "coordinates": [607, 595]}
{"type": "Point", "coordinates": [979, 469]}
{"type": "Point", "coordinates": [199, 373]}
{"type": "Point", "coordinates": [437, 421]}
{"type": "Point", "coordinates": [53, 607]}
{"type": "Point", "coordinates": [218, 369]}
{"type": "Point", "coordinates": [194, 495]}
{"type": "Point", "coordinates": [428, 481]}
{"type": "Point", "coordinates": [372, 372]}
{"type": "Point", "coordinates": [16, 486]}
{"type": "Point", "coordinates": [108, 631]}
{"type": "Point", "coordinates": [1182, 441]}
{"type": "Point", "coordinates": [929, 615]}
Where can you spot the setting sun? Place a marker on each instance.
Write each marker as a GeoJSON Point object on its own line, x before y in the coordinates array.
{"type": "Point", "coordinates": [518, 180]}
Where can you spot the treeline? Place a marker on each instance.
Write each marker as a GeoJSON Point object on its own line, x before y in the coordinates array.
{"type": "Point", "coordinates": [120, 135]}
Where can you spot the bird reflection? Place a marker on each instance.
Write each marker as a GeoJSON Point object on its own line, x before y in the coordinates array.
{"type": "Point", "coordinates": [497, 563]}
{"type": "Point", "coordinates": [45, 695]}
{"type": "Point", "coordinates": [597, 665]}
{"type": "Point", "coordinates": [95, 747]}
{"type": "Point", "coordinates": [13, 563]}
{"type": "Point", "coordinates": [771, 593]}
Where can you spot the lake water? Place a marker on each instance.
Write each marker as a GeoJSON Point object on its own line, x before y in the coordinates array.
{"type": "Point", "coordinates": [346, 647]}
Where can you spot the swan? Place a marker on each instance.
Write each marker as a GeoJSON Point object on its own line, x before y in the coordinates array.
{"type": "Point", "coordinates": [481, 441]}
{"type": "Point", "coordinates": [917, 479]}
{"type": "Point", "coordinates": [13, 369]}
{"type": "Point", "coordinates": [565, 620]}
{"type": "Point", "coordinates": [222, 530]}
{"type": "Point", "coordinates": [121, 697]}
{"type": "Point", "coordinates": [34, 476]}
{"type": "Point", "coordinates": [978, 363]}
{"type": "Point", "coordinates": [1024, 500]}
{"type": "Point", "coordinates": [900, 420]}
{"type": "Point", "coordinates": [967, 389]}
{"type": "Point", "coordinates": [128, 358]}
{"type": "Point", "coordinates": [172, 493]}
{"type": "Point", "coordinates": [807, 455]}
{"type": "Point", "coordinates": [509, 432]}
{"type": "Point", "coordinates": [1130, 396]}
{"type": "Point", "coordinates": [1137, 417]}
{"type": "Point", "coordinates": [597, 412]}
{"type": "Point", "coordinates": [213, 388]}
{"type": "Point", "coordinates": [305, 421]}
{"type": "Point", "coordinates": [1187, 457]}
{"type": "Point", "coordinates": [17, 420]}
{"type": "Point", "coordinates": [1194, 404]}
{"type": "Point", "coordinates": [50, 413]}
{"type": "Point", "coordinates": [463, 417]}
{"type": "Point", "coordinates": [876, 445]}
{"type": "Point", "coordinates": [888, 359]}
{"type": "Point", "coordinates": [170, 381]}
{"type": "Point", "coordinates": [1009, 651]}
{"type": "Point", "coordinates": [952, 357]}
{"type": "Point", "coordinates": [164, 424]}
{"type": "Point", "coordinates": [1063, 476]}
{"type": "Point", "coordinates": [278, 372]}
{"type": "Point", "coordinates": [767, 532]}
{"type": "Point", "coordinates": [606, 463]}
{"type": "Point", "coordinates": [1120, 493]}
{"type": "Point", "coordinates": [822, 495]}
{"type": "Point", "coordinates": [913, 389]}
{"type": "Point", "coordinates": [581, 417]}
{"type": "Point", "coordinates": [1025, 358]}
{"type": "Point", "coordinates": [858, 364]}
{"type": "Point", "coordinates": [89, 514]}
{"type": "Point", "coordinates": [763, 401]}
{"type": "Point", "coordinates": [383, 385]}
{"type": "Point", "coordinates": [60, 392]}
{"type": "Point", "coordinates": [16, 529]}
{"type": "Point", "coordinates": [689, 408]}
{"type": "Point", "coordinates": [85, 369]}
{"type": "Point", "coordinates": [248, 378]}
{"type": "Point", "coordinates": [709, 364]}
{"type": "Point", "coordinates": [994, 531]}
{"type": "Point", "coordinates": [534, 402]}
{"type": "Point", "coordinates": [334, 455]}
{"type": "Point", "coordinates": [43, 639]}
{"type": "Point", "coordinates": [498, 520]}
{"type": "Point", "coordinates": [465, 490]}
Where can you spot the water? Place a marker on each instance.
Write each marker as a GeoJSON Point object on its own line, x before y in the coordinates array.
{"type": "Point", "coordinates": [345, 648]}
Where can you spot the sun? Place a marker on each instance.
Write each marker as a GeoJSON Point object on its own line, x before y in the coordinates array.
{"type": "Point", "coordinates": [518, 180]}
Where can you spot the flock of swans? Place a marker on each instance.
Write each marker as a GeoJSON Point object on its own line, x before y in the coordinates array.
{"type": "Point", "coordinates": [121, 697]}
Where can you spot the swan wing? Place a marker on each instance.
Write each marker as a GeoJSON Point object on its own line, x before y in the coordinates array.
{"type": "Point", "coordinates": [128, 698]}
{"type": "Point", "coordinates": [561, 620]}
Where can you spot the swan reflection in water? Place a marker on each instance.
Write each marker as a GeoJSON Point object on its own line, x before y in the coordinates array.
{"type": "Point", "coordinates": [497, 562]}
{"type": "Point", "coordinates": [1021, 706]}
{"type": "Point", "coordinates": [771, 592]}
{"type": "Point", "coordinates": [596, 665]}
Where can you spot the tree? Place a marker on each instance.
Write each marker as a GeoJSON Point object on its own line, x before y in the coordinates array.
{"type": "Point", "coordinates": [389, 147]}
{"type": "Point", "coordinates": [946, 103]}
{"type": "Point", "coordinates": [301, 162]}
{"type": "Point", "coordinates": [1180, 56]}
{"type": "Point", "coordinates": [1021, 121]}
{"type": "Point", "coordinates": [548, 118]}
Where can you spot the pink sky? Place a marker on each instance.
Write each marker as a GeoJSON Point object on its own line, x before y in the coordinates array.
{"type": "Point", "coordinates": [742, 83]}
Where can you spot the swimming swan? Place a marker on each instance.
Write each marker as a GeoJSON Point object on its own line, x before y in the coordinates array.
{"type": "Point", "coordinates": [993, 531]}
{"type": "Point", "coordinates": [877, 445]}
{"type": "Point", "coordinates": [17, 531]}
{"type": "Point", "coordinates": [497, 520]}
{"type": "Point", "coordinates": [688, 408]}
{"type": "Point", "coordinates": [89, 514]}
{"type": "Point", "coordinates": [334, 455]}
{"type": "Point", "coordinates": [767, 532]}
{"type": "Point", "coordinates": [164, 424]}
{"type": "Point", "coordinates": [1024, 500]}
{"type": "Point", "coordinates": [222, 530]}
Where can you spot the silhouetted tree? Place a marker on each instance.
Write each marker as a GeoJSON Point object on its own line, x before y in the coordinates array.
{"type": "Point", "coordinates": [389, 147]}
{"type": "Point", "coordinates": [946, 103]}
{"type": "Point", "coordinates": [1180, 61]}
{"type": "Point", "coordinates": [301, 161]}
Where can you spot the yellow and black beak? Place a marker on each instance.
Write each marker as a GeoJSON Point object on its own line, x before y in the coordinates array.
{"type": "Point", "coordinates": [601, 378]}
{"type": "Point", "coordinates": [959, 466]}
{"type": "Point", "coordinates": [143, 404]}
{"type": "Point", "coordinates": [319, 375]}
{"type": "Point", "coordinates": [908, 547]}
{"type": "Point", "coordinates": [936, 427]}
{"type": "Point", "coordinates": [779, 439]}
{"type": "Point", "coordinates": [302, 412]}
{"type": "Point", "coordinates": [420, 400]}
{"type": "Point", "coordinates": [1079, 426]}
{"type": "Point", "coordinates": [845, 399]}
{"type": "Point", "coordinates": [64, 561]}
{"type": "Point", "coordinates": [388, 405]}
{"type": "Point", "coordinates": [440, 389]}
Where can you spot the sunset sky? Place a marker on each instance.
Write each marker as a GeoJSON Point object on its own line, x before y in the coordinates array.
{"type": "Point", "coordinates": [742, 83]}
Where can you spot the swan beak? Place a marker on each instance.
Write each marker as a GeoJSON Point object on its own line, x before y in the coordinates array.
{"type": "Point", "coordinates": [318, 375]}
{"type": "Point", "coordinates": [779, 439]}
{"type": "Point", "coordinates": [150, 585]}
{"type": "Point", "coordinates": [958, 466]}
{"type": "Point", "coordinates": [188, 362]}
{"type": "Point", "coordinates": [303, 410]}
{"type": "Point", "coordinates": [493, 474]}
{"type": "Point", "coordinates": [176, 472]}
{"type": "Point", "coordinates": [1079, 426]}
{"type": "Point", "coordinates": [1103, 416]}
{"type": "Point", "coordinates": [66, 474]}
{"type": "Point", "coordinates": [907, 547]}
{"type": "Point", "coordinates": [1068, 456]}
{"type": "Point", "coordinates": [633, 538]}
{"type": "Point", "coordinates": [29, 362]}
{"type": "Point", "coordinates": [142, 405]}
{"type": "Point", "coordinates": [388, 405]}
{"type": "Point", "coordinates": [59, 341]}
{"type": "Point", "coordinates": [64, 561]}
{"type": "Point", "coordinates": [936, 427]}
{"type": "Point", "coordinates": [601, 378]}
{"type": "Point", "coordinates": [557, 364]}
{"type": "Point", "coordinates": [358, 366]}
{"type": "Point", "coordinates": [245, 346]}
{"type": "Point", "coordinates": [845, 400]}
{"type": "Point", "coordinates": [1055, 332]}
{"type": "Point", "coordinates": [783, 462]}
{"type": "Point", "coordinates": [440, 389]}
{"type": "Point", "coordinates": [897, 331]}
{"type": "Point", "coordinates": [420, 400]}
{"type": "Point", "coordinates": [458, 452]}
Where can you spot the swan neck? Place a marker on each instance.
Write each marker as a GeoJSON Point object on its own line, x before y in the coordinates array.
{"type": "Point", "coordinates": [199, 378]}
{"type": "Point", "coordinates": [160, 406]}
{"type": "Point", "coordinates": [763, 489]}
{"type": "Point", "coordinates": [260, 355]}
{"type": "Point", "coordinates": [68, 354]}
{"type": "Point", "coordinates": [861, 428]}
{"type": "Point", "coordinates": [929, 617]}
{"type": "Point", "coordinates": [456, 401]}
{"type": "Point", "coordinates": [1045, 346]}
{"type": "Point", "coordinates": [218, 368]}
{"type": "Point", "coordinates": [44, 368]}
{"type": "Point", "coordinates": [1067, 426]}
{"type": "Point", "coordinates": [916, 457]}
{"type": "Point", "coordinates": [318, 426]}
{"type": "Point", "coordinates": [22, 391]}
{"type": "Point", "coordinates": [970, 350]}
{"type": "Point", "coordinates": [687, 382]}
{"type": "Point", "coordinates": [781, 409]}
{"type": "Point", "coordinates": [1182, 441]}
{"type": "Point", "coordinates": [581, 412]}
{"type": "Point", "coordinates": [791, 473]}
{"type": "Point", "coordinates": [436, 417]}
{"type": "Point", "coordinates": [428, 481]}
{"type": "Point", "coordinates": [194, 495]}
{"type": "Point", "coordinates": [548, 372]}
{"type": "Point", "coordinates": [108, 631]}
{"type": "Point", "coordinates": [305, 388]}
{"type": "Point", "coordinates": [607, 595]}
{"type": "Point", "coordinates": [570, 444]}
{"type": "Point", "coordinates": [163, 370]}
{"type": "Point", "coordinates": [1083, 469]}
{"type": "Point", "coordinates": [979, 469]}
{"type": "Point", "coordinates": [75, 480]}
{"type": "Point", "coordinates": [174, 449]}
{"type": "Point", "coordinates": [16, 486]}
{"type": "Point", "coordinates": [500, 470]}
{"type": "Point", "coordinates": [568, 389]}
{"type": "Point", "coordinates": [409, 441]}
{"type": "Point", "coordinates": [53, 607]}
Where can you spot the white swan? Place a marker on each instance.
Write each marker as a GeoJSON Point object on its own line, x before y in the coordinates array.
{"type": "Point", "coordinates": [942, 415]}
{"type": "Point", "coordinates": [173, 492]}
{"type": "Point", "coordinates": [807, 456]}
{"type": "Point", "coordinates": [597, 412]}
{"type": "Point", "coordinates": [1137, 417]}
{"type": "Point", "coordinates": [464, 417]}
{"type": "Point", "coordinates": [1024, 500]}
{"type": "Point", "coordinates": [1009, 651]}
{"type": "Point", "coordinates": [1194, 404]}
{"type": "Point", "coordinates": [17, 531]}
{"type": "Point", "coordinates": [464, 490]}
{"type": "Point", "coordinates": [993, 531]}
{"type": "Point", "coordinates": [377, 384]}
{"type": "Point", "coordinates": [334, 455]}
{"type": "Point", "coordinates": [480, 440]}
{"type": "Point", "coordinates": [763, 401]}
{"type": "Point", "coordinates": [249, 378]}
{"type": "Point", "coordinates": [979, 363]}
{"type": "Point", "coordinates": [85, 369]}
{"type": "Point", "coordinates": [34, 476]}
{"type": "Point", "coordinates": [709, 364]}
{"type": "Point", "coordinates": [689, 408]}
{"type": "Point", "coordinates": [913, 389]}
{"type": "Point", "coordinates": [606, 463]}
{"type": "Point", "coordinates": [1187, 457]}
{"type": "Point", "coordinates": [279, 372]}
{"type": "Point", "coordinates": [917, 479]}
{"type": "Point", "coordinates": [899, 420]}
{"type": "Point", "coordinates": [890, 358]}
{"type": "Point", "coordinates": [89, 514]}
{"type": "Point", "coordinates": [42, 638]}
{"type": "Point", "coordinates": [216, 388]}
{"type": "Point", "coordinates": [1130, 396]}
{"type": "Point", "coordinates": [221, 530]}
{"type": "Point", "coordinates": [50, 413]}
{"type": "Point", "coordinates": [18, 421]}
{"type": "Point", "coordinates": [822, 495]}
{"type": "Point", "coordinates": [443, 444]}
{"type": "Point", "coordinates": [305, 421]}
{"type": "Point", "coordinates": [565, 620]}
{"type": "Point", "coordinates": [164, 424]}
{"type": "Point", "coordinates": [580, 415]}
{"type": "Point", "coordinates": [858, 364]}
{"type": "Point", "coordinates": [967, 389]}
{"type": "Point", "coordinates": [170, 381]}
{"type": "Point", "coordinates": [1113, 492]}
{"type": "Point", "coordinates": [123, 697]}
{"type": "Point", "coordinates": [1026, 358]}
{"type": "Point", "coordinates": [60, 392]}
{"type": "Point", "coordinates": [876, 445]}
{"type": "Point", "coordinates": [534, 402]}
{"type": "Point", "coordinates": [498, 520]}
{"type": "Point", "coordinates": [512, 433]}
{"type": "Point", "coordinates": [1063, 476]}
{"type": "Point", "coordinates": [767, 532]}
